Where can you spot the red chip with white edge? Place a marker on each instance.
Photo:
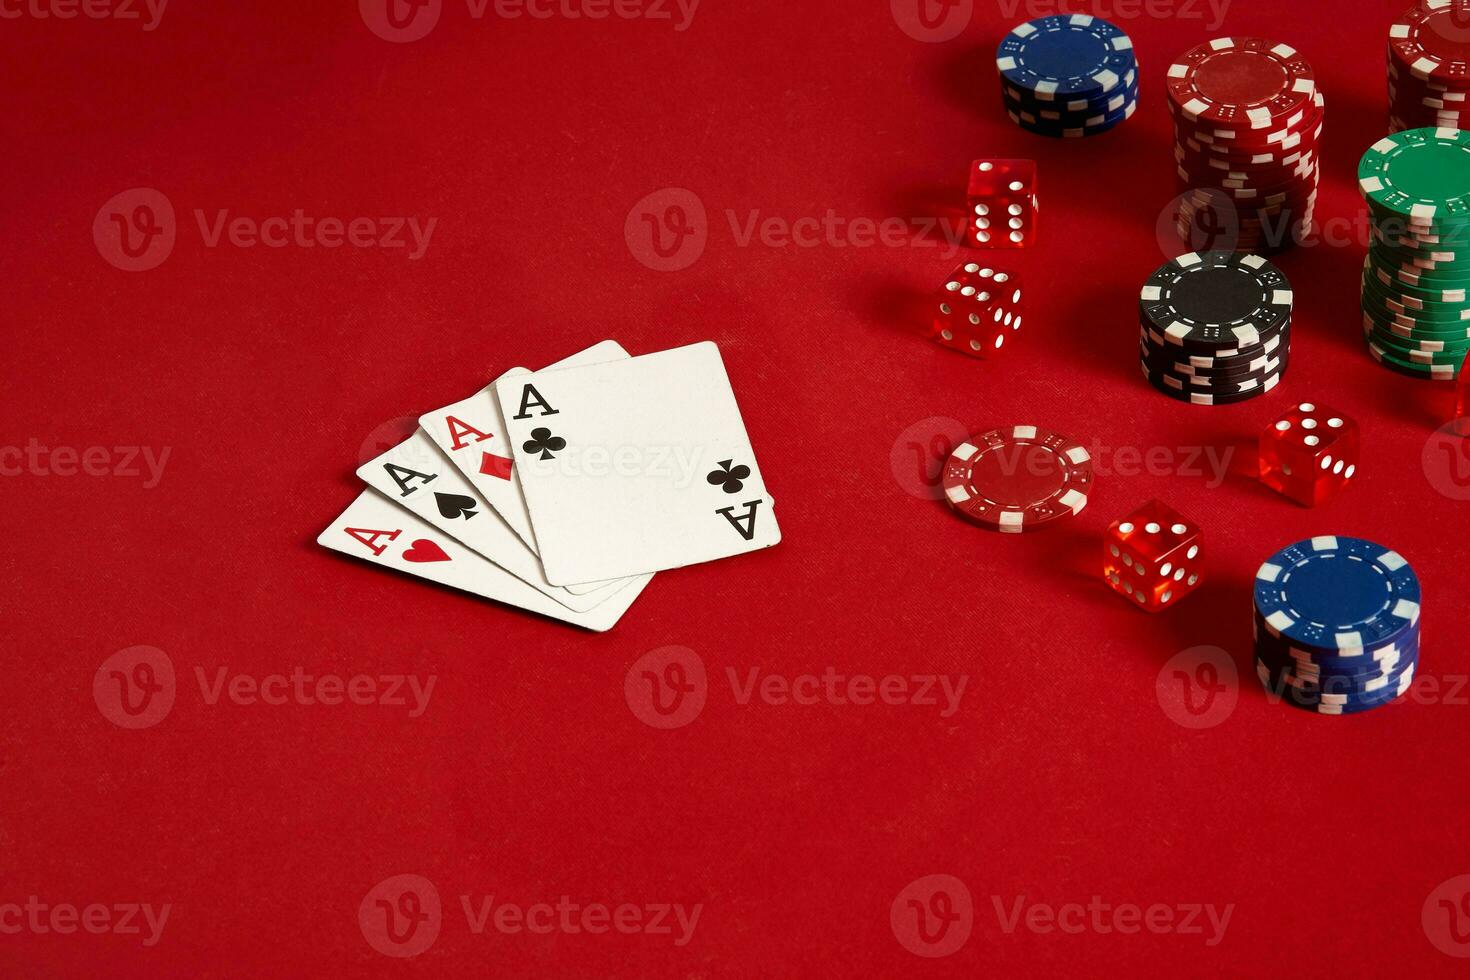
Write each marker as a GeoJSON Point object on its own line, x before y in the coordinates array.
{"type": "Point", "coordinates": [1432, 40]}
{"type": "Point", "coordinates": [1247, 82]}
{"type": "Point", "coordinates": [1016, 479]}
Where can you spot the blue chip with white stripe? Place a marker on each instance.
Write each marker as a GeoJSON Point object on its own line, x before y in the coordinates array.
{"type": "Point", "coordinates": [1337, 595]}
{"type": "Point", "coordinates": [1065, 55]}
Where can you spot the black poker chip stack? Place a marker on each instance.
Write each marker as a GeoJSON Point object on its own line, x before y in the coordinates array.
{"type": "Point", "coordinates": [1215, 327]}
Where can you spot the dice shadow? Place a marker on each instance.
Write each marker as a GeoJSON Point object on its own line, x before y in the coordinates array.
{"type": "Point", "coordinates": [897, 304]}
{"type": "Point", "coordinates": [944, 201]}
{"type": "Point", "coordinates": [1421, 403]}
{"type": "Point", "coordinates": [1211, 616]}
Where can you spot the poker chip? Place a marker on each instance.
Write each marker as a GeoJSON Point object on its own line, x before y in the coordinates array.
{"type": "Point", "coordinates": [1336, 626]}
{"type": "Point", "coordinates": [1178, 390]}
{"type": "Point", "coordinates": [1415, 287]}
{"type": "Point", "coordinates": [1215, 327]}
{"type": "Point", "coordinates": [1429, 66]}
{"type": "Point", "coordinates": [1068, 76]}
{"type": "Point", "coordinates": [1247, 120]}
{"type": "Point", "coordinates": [1018, 479]}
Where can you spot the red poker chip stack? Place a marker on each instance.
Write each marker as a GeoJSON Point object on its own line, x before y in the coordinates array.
{"type": "Point", "coordinates": [1247, 121]}
{"type": "Point", "coordinates": [1429, 67]}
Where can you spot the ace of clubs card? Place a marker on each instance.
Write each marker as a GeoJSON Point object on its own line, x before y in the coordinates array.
{"type": "Point", "coordinates": [636, 465]}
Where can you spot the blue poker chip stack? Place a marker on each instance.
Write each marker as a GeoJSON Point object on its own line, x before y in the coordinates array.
{"type": "Point", "coordinates": [1336, 625]}
{"type": "Point", "coordinates": [1067, 76]}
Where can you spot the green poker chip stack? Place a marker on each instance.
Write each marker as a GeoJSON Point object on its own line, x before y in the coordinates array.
{"type": "Point", "coordinates": [1416, 278]}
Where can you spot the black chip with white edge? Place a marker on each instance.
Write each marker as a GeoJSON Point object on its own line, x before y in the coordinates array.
{"type": "Point", "coordinates": [1204, 301]}
{"type": "Point", "coordinates": [1223, 357]}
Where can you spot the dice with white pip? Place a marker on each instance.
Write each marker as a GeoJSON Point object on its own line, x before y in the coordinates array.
{"type": "Point", "coordinates": [1001, 205]}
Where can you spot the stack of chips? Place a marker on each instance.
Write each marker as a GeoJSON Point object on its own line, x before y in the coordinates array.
{"type": "Point", "coordinates": [1336, 625]}
{"type": "Point", "coordinates": [1416, 315]}
{"type": "Point", "coordinates": [1215, 327]}
{"type": "Point", "coordinates": [1247, 119]}
{"type": "Point", "coordinates": [1068, 75]}
{"type": "Point", "coordinates": [1429, 66]}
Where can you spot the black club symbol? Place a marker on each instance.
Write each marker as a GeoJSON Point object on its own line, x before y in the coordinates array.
{"type": "Point", "coordinates": [729, 478]}
{"type": "Point", "coordinates": [543, 442]}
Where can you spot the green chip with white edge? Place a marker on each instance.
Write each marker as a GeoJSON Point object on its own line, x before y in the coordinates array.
{"type": "Point", "coordinates": [1434, 372]}
{"type": "Point", "coordinates": [1423, 174]}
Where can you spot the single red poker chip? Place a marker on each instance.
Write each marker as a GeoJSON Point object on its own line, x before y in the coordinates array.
{"type": "Point", "coordinates": [1249, 82]}
{"type": "Point", "coordinates": [1017, 479]}
{"type": "Point", "coordinates": [1432, 42]}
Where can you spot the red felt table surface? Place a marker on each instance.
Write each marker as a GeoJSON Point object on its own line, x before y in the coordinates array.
{"type": "Point", "coordinates": [1058, 779]}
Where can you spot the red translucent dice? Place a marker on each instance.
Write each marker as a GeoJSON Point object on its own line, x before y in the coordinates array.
{"type": "Point", "coordinates": [1000, 206]}
{"type": "Point", "coordinates": [1309, 453]}
{"type": "Point", "coordinates": [977, 310]}
{"type": "Point", "coordinates": [1152, 556]}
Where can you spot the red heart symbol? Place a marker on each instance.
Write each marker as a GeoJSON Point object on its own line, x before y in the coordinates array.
{"type": "Point", "coordinates": [425, 550]}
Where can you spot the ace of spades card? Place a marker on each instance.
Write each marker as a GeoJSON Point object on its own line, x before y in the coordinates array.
{"type": "Point", "coordinates": [635, 466]}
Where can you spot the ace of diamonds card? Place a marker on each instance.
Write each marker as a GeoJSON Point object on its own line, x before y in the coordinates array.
{"type": "Point", "coordinates": [636, 465]}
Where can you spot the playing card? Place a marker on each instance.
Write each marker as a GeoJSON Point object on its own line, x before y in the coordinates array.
{"type": "Point", "coordinates": [636, 465]}
{"type": "Point", "coordinates": [472, 434]}
{"type": "Point", "coordinates": [414, 474]}
{"type": "Point", "coordinates": [375, 529]}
